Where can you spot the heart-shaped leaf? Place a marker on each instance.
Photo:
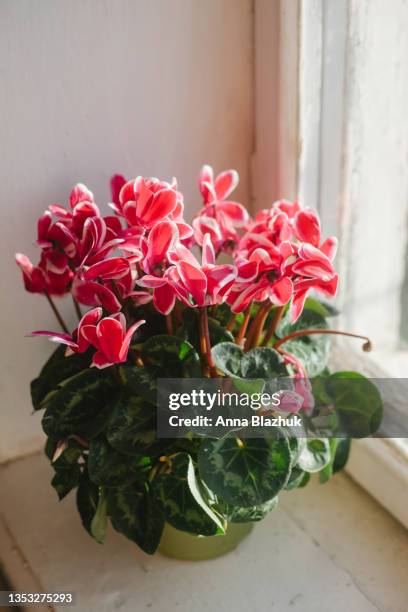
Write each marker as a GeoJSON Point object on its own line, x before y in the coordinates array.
{"type": "Point", "coordinates": [134, 513]}
{"type": "Point", "coordinates": [57, 369]}
{"type": "Point", "coordinates": [172, 356]}
{"type": "Point", "coordinates": [227, 358]}
{"type": "Point", "coordinates": [132, 427]}
{"type": "Point", "coordinates": [87, 500]}
{"type": "Point", "coordinates": [236, 514]}
{"type": "Point", "coordinates": [315, 455]}
{"type": "Point", "coordinates": [81, 406]}
{"type": "Point", "coordinates": [182, 499]}
{"type": "Point", "coordinates": [358, 403]}
{"type": "Point", "coordinates": [141, 381]}
{"type": "Point", "coordinates": [110, 468]}
{"type": "Point", "coordinates": [263, 363]}
{"type": "Point", "coordinates": [246, 472]}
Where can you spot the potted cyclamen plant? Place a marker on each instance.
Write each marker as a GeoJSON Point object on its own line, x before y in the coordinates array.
{"type": "Point", "coordinates": [155, 310]}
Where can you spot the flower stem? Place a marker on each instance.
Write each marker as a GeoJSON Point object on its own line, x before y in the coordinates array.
{"type": "Point", "coordinates": [205, 343]}
{"type": "Point", "coordinates": [257, 326]}
{"type": "Point", "coordinates": [274, 324]}
{"type": "Point", "coordinates": [244, 326]}
{"type": "Point", "coordinates": [169, 325]}
{"type": "Point", "coordinates": [56, 312]}
{"type": "Point", "coordinates": [367, 346]}
{"type": "Point", "coordinates": [231, 321]}
{"type": "Point", "coordinates": [77, 309]}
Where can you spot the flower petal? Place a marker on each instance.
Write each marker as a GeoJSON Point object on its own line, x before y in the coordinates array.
{"type": "Point", "coordinates": [128, 337]}
{"type": "Point", "coordinates": [162, 204]}
{"type": "Point", "coordinates": [225, 183]}
{"type": "Point", "coordinates": [161, 239]}
{"type": "Point", "coordinates": [194, 280]}
{"type": "Point", "coordinates": [109, 333]}
{"type": "Point", "coordinates": [307, 226]}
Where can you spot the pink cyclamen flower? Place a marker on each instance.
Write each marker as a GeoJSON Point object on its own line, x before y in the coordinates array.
{"type": "Point", "coordinates": [108, 283]}
{"type": "Point", "coordinates": [110, 339]}
{"type": "Point", "coordinates": [215, 191]}
{"type": "Point", "coordinates": [33, 276]}
{"type": "Point", "coordinates": [156, 249]}
{"type": "Point", "coordinates": [76, 343]}
{"type": "Point", "coordinates": [200, 284]}
{"type": "Point", "coordinates": [265, 275]}
{"type": "Point", "coordinates": [107, 335]}
{"type": "Point", "coordinates": [144, 202]}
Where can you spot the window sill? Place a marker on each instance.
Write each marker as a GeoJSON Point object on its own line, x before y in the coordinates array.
{"type": "Point", "coordinates": [362, 562]}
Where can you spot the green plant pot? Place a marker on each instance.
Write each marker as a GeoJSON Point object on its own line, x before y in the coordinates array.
{"type": "Point", "coordinates": [181, 545]}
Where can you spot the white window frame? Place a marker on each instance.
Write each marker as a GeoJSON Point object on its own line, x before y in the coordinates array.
{"type": "Point", "coordinates": [303, 55]}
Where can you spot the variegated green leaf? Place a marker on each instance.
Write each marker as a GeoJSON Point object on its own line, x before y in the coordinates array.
{"type": "Point", "coordinates": [263, 363]}
{"type": "Point", "coordinates": [173, 356]}
{"type": "Point", "coordinates": [66, 480]}
{"type": "Point", "coordinates": [182, 500]}
{"type": "Point", "coordinates": [339, 452]}
{"type": "Point", "coordinates": [227, 358]}
{"type": "Point", "coordinates": [57, 369]}
{"type": "Point", "coordinates": [236, 514]}
{"type": "Point", "coordinates": [81, 406]}
{"type": "Point", "coordinates": [141, 381]}
{"type": "Point", "coordinates": [134, 512]}
{"type": "Point", "coordinates": [132, 428]}
{"type": "Point", "coordinates": [314, 455]}
{"type": "Point", "coordinates": [87, 500]}
{"type": "Point", "coordinates": [245, 472]}
{"type": "Point", "coordinates": [67, 469]}
{"type": "Point", "coordinates": [298, 478]}
{"type": "Point", "coordinates": [99, 522]}
{"type": "Point", "coordinates": [110, 468]}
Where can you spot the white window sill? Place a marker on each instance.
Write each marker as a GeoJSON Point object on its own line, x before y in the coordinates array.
{"type": "Point", "coordinates": [327, 547]}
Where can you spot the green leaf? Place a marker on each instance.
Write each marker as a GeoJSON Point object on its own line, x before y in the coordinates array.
{"type": "Point", "coordinates": [99, 522]}
{"type": "Point", "coordinates": [321, 307]}
{"type": "Point", "coordinates": [81, 406]}
{"type": "Point", "coordinates": [298, 478]}
{"type": "Point", "coordinates": [132, 428]}
{"type": "Point", "coordinates": [134, 513]}
{"type": "Point", "coordinates": [313, 351]}
{"type": "Point", "coordinates": [342, 454]}
{"type": "Point", "coordinates": [236, 514]}
{"type": "Point", "coordinates": [182, 500]}
{"type": "Point", "coordinates": [315, 455]}
{"type": "Point", "coordinates": [66, 480]}
{"type": "Point", "coordinates": [263, 363]}
{"type": "Point", "coordinates": [245, 472]}
{"type": "Point", "coordinates": [190, 330]}
{"type": "Point", "coordinates": [227, 358]}
{"type": "Point", "coordinates": [141, 381]}
{"type": "Point", "coordinates": [339, 453]}
{"type": "Point", "coordinates": [358, 403]}
{"type": "Point", "coordinates": [57, 369]}
{"type": "Point", "coordinates": [67, 469]}
{"type": "Point", "coordinates": [87, 500]}
{"type": "Point", "coordinates": [110, 468]}
{"type": "Point", "coordinates": [172, 356]}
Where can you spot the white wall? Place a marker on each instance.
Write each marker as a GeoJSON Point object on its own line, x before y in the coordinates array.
{"type": "Point", "coordinates": [89, 87]}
